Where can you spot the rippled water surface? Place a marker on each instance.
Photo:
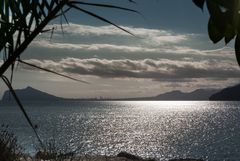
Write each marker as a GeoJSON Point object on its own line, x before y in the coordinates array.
{"type": "Point", "coordinates": [208, 130]}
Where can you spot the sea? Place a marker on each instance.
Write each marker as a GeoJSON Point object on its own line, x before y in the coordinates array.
{"type": "Point", "coordinates": [151, 129]}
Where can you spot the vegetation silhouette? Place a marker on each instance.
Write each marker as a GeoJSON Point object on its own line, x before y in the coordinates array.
{"type": "Point", "coordinates": [224, 21]}
{"type": "Point", "coordinates": [21, 21]}
{"type": "Point", "coordinates": [9, 149]}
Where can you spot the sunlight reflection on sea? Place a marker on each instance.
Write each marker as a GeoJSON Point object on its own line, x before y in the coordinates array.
{"type": "Point", "coordinates": [161, 129]}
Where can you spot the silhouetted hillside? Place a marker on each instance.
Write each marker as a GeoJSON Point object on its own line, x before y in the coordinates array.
{"type": "Point", "coordinates": [199, 94]}
{"type": "Point", "coordinates": [227, 94]}
{"type": "Point", "coordinates": [30, 94]}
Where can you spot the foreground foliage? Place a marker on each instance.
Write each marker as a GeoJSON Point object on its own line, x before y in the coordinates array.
{"type": "Point", "coordinates": [55, 151]}
{"type": "Point", "coordinates": [9, 149]}
{"type": "Point", "coordinates": [224, 21]}
{"type": "Point", "coordinates": [21, 21]}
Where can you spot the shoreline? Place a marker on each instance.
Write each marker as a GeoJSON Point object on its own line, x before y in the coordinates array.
{"type": "Point", "coordinates": [122, 156]}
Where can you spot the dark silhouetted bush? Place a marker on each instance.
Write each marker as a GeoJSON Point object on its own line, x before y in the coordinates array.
{"type": "Point", "coordinates": [9, 149]}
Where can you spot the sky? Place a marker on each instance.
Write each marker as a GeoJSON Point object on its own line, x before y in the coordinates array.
{"type": "Point", "coordinates": [170, 51]}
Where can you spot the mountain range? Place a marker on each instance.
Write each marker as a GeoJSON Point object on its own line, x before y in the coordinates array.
{"type": "Point", "coordinates": [199, 94]}
{"type": "Point", "coordinates": [31, 94]}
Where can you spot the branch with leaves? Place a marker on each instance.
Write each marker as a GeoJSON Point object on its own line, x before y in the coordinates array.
{"type": "Point", "coordinates": [224, 21]}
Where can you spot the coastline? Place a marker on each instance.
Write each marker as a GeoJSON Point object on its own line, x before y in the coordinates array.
{"type": "Point", "coordinates": [122, 156]}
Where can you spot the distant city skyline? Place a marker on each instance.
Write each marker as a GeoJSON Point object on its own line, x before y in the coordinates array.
{"type": "Point", "coordinates": [171, 51]}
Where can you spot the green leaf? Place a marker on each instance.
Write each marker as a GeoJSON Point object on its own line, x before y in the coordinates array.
{"type": "Point", "coordinates": [237, 48]}
{"type": "Point", "coordinates": [214, 34]}
{"type": "Point", "coordinates": [227, 4]}
{"type": "Point", "coordinates": [214, 9]}
{"type": "Point", "coordinates": [218, 17]}
{"type": "Point", "coordinates": [229, 33]}
{"type": "Point", "coordinates": [199, 3]}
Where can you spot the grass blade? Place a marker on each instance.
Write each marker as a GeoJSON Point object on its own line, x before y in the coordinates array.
{"type": "Point", "coordinates": [100, 18]}
{"type": "Point", "coordinates": [7, 82]}
{"type": "Point", "coordinates": [50, 71]}
{"type": "Point", "coordinates": [104, 5]}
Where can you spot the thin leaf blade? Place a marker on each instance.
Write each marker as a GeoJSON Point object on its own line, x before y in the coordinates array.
{"type": "Point", "coordinates": [237, 48]}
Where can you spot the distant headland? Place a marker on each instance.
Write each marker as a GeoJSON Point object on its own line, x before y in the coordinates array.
{"type": "Point", "coordinates": [32, 94]}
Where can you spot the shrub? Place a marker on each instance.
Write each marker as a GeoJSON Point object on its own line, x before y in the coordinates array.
{"type": "Point", "coordinates": [9, 149]}
{"type": "Point", "coordinates": [54, 152]}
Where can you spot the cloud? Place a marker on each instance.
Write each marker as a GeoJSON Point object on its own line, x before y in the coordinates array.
{"type": "Point", "coordinates": [108, 37]}
{"type": "Point", "coordinates": [156, 35]}
{"type": "Point", "coordinates": [157, 70]}
{"type": "Point", "coordinates": [155, 56]}
{"type": "Point", "coordinates": [93, 47]}
{"type": "Point", "coordinates": [160, 51]}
